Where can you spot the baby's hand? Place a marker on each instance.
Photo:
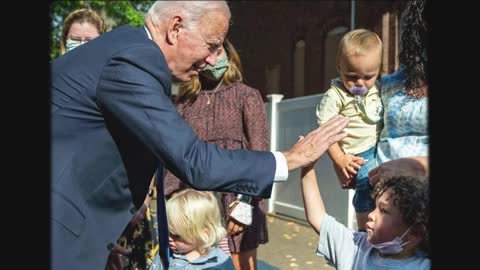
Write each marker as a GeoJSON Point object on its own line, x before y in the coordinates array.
{"type": "Point", "coordinates": [346, 168]}
{"type": "Point", "coordinates": [346, 182]}
{"type": "Point", "coordinates": [359, 161]}
{"type": "Point", "coordinates": [349, 164]}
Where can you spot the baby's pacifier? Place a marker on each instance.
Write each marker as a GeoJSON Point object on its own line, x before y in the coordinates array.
{"type": "Point", "coordinates": [358, 90]}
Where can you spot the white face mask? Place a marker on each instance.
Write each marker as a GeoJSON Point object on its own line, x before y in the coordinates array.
{"type": "Point", "coordinates": [72, 44]}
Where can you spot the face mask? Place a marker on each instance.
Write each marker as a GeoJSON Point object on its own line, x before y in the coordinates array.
{"type": "Point", "coordinates": [216, 72]}
{"type": "Point", "coordinates": [391, 247]}
{"type": "Point", "coordinates": [72, 44]}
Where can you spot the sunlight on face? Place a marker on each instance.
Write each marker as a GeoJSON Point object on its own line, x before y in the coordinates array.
{"type": "Point", "coordinates": [385, 222]}
{"type": "Point", "coordinates": [360, 69]}
{"type": "Point", "coordinates": [197, 49]}
{"type": "Point", "coordinates": [178, 245]}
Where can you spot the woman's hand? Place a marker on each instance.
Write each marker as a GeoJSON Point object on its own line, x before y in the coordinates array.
{"type": "Point", "coordinates": [410, 166]}
{"type": "Point", "coordinates": [234, 227]}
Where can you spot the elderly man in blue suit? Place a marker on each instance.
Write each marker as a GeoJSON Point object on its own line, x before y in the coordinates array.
{"type": "Point", "coordinates": [113, 122]}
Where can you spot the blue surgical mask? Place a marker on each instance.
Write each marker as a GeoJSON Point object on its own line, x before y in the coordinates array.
{"type": "Point", "coordinates": [391, 247]}
{"type": "Point", "coordinates": [72, 44]}
{"type": "Point", "coordinates": [216, 72]}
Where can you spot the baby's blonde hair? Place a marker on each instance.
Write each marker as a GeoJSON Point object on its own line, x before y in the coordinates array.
{"type": "Point", "coordinates": [356, 42]}
{"type": "Point", "coordinates": [195, 217]}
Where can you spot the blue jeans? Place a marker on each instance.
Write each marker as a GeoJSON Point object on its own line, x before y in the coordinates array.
{"type": "Point", "coordinates": [362, 201]}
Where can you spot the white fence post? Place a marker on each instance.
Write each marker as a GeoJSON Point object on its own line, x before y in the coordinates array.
{"type": "Point", "coordinates": [272, 115]}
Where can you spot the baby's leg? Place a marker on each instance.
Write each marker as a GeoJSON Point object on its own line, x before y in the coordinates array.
{"type": "Point", "coordinates": [362, 200]}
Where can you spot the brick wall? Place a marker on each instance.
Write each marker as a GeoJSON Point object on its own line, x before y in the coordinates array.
{"type": "Point", "coordinates": [265, 34]}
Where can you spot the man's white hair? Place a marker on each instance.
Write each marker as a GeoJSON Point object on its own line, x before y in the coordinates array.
{"type": "Point", "coordinates": [161, 11]}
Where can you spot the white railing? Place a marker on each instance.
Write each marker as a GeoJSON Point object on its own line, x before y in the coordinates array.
{"type": "Point", "coordinates": [287, 120]}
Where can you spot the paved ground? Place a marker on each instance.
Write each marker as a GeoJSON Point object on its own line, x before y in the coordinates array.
{"type": "Point", "coordinates": [292, 245]}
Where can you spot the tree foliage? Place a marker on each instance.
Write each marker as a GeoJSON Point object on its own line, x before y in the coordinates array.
{"type": "Point", "coordinates": [114, 13]}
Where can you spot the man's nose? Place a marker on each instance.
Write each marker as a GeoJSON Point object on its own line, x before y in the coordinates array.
{"type": "Point", "coordinates": [211, 59]}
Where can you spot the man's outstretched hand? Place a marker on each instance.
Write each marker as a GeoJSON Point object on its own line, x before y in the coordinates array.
{"type": "Point", "coordinates": [306, 151]}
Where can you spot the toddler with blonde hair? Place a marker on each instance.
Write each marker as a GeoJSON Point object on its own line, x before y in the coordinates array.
{"type": "Point", "coordinates": [195, 227]}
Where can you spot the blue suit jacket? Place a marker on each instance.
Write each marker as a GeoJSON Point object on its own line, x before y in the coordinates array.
{"type": "Point", "coordinates": [112, 121]}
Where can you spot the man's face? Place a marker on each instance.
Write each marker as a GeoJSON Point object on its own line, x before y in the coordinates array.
{"type": "Point", "coordinates": [198, 48]}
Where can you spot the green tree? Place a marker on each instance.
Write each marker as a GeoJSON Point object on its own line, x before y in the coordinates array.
{"type": "Point", "coordinates": [114, 13]}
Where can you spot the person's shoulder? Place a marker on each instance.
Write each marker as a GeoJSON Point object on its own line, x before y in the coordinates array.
{"type": "Point", "coordinates": [127, 36]}
{"type": "Point", "coordinates": [393, 80]}
{"type": "Point", "coordinates": [424, 263]}
{"type": "Point", "coordinates": [398, 74]}
{"type": "Point", "coordinates": [132, 42]}
{"type": "Point", "coordinates": [329, 221]}
{"type": "Point", "coordinates": [126, 30]}
{"type": "Point", "coordinates": [336, 83]}
{"type": "Point", "coordinates": [336, 93]}
{"type": "Point", "coordinates": [224, 262]}
{"type": "Point", "coordinates": [413, 263]}
{"type": "Point", "coordinates": [246, 89]}
{"type": "Point", "coordinates": [360, 240]}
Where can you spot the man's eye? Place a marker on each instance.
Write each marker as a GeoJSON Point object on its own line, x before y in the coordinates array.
{"type": "Point", "coordinates": [213, 48]}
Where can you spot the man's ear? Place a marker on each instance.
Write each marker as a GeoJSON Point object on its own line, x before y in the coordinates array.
{"type": "Point", "coordinates": [175, 25]}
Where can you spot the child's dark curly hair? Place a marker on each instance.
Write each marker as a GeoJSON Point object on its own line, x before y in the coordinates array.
{"type": "Point", "coordinates": [414, 44]}
{"type": "Point", "coordinates": [411, 197]}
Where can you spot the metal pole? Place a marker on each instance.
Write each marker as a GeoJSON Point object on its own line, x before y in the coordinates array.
{"type": "Point", "coordinates": [352, 17]}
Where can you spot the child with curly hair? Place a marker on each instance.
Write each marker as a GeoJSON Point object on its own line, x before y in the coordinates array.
{"type": "Point", "coordinates": [396, 234]}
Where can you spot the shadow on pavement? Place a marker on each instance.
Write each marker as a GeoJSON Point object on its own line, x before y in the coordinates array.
{"type": "Point", "coordinates": [265, 266]}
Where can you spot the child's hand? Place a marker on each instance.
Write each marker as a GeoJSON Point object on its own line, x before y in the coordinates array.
{"type": "Point", "coordinates": [234, 227]}
{"type": "Point", "coordinates": [349, 164]}
{"type": "Point", "coordinates": [346, 167]}
{"type": "Point", "coordinates": [345, 182]}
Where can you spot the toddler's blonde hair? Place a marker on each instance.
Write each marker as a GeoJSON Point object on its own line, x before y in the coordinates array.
{"type": "Point", "coordinates": [195, 217]}
{"type": "Point", "coordinates": [356, 42]}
